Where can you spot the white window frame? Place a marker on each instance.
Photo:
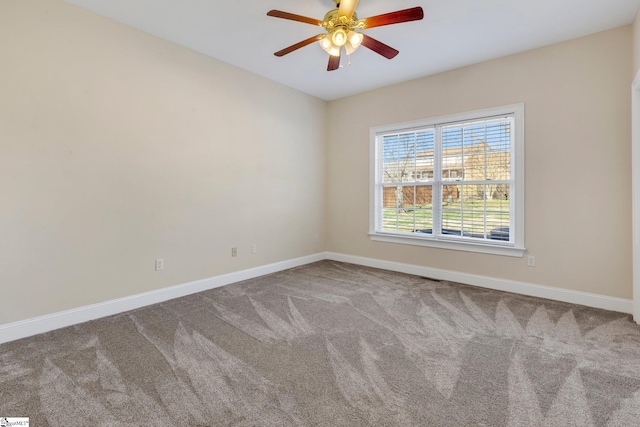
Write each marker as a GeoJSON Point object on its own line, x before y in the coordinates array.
{"type": "Point", "coordinates": [516, 197]}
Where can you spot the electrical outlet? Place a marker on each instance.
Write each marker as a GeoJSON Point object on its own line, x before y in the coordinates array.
{"type": "Point", "coordinates": [254, 248]}
{"type": "Point", "coordinates": [234, 251]}
{"type": "Point", "coordinates": [159, 264]}
{"type": "Point", "coordinates": [531, 261]}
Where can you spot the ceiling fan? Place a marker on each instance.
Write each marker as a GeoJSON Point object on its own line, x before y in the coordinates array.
{"type": "Point", "coordinates": [341, 25]}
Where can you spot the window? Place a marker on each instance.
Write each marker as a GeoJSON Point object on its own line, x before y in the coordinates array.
{"type": "Point", "coordinates": [455, 182]}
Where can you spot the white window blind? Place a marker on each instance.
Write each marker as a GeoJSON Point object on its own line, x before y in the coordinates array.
{"type": "Point", "coordinates": [451, 180]}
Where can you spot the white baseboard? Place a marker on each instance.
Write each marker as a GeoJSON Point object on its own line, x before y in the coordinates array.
{"type": "Point", "coordinates": [50, 322]}
{"type": "Point", "coordinates": [575, 297]}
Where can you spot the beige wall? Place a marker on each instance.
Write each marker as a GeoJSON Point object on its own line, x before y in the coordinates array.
{"type": "Point", "coordinates": [117, 148]}
{"type": "Point", "coordinates": [578, 167]}
{"type": "Point", "coordinates": [636, 44]}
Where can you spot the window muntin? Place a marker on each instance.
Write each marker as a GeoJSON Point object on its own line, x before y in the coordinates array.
{"type": "Point", "coordinates": [451, 180]}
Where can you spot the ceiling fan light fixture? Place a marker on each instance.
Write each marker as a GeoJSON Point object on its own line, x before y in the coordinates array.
{"type": "Point", "coordinates": [329, 47]}
{"type": "Point", "coordinates": [355, 39]}
{"type": "Point", "coordinates": [325, 43]}
{"type": "Point", "coordinates": [349, 48]}
{"type": "Point", "coordinates": [339, 37]}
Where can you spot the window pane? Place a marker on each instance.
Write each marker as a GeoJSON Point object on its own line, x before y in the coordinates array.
{"type": "Point", "coordinates": [416, 196]}
{"type": "Point", "coordinates": [451, 222]}
{"type": "Point", "coordinates": [407, 208]}
{"type": "Point", "coordinates": [408, 197]}
{"type": "Point", "coordinates": [474, 207]}
{"type": "Point", "coordinates": [424, 196]}
{"type": "Point", "coordinates": [451, 210]}
{"type": "Point", "coordinates": [473, 197]}
{"type": "Point", "coordinates": [389, 219]}
{"type": "Point", "coordinates": [451, 196]}
{"type": "Point", "coordinates": [452, 154]}
{"type": "Point", "coordinates": [407, 157]}
{"type": "Point", "coordinates": [498, 197]}
{"type": "Point", "coordinates": [474, 158]}
{"type": "Point", "coordinates": [424, 221]}
{"type": "Point", "coordinates": [406, 220]}
{"type": "Point", "coordinates": [499, 150]}
{"type": "Point", "coordinates": [424, 155]}
{"type": "Point", "coordinates": [478, 151]}
{"type": "Point", "coordinates": [398, 196]}
{"type": "Point", "coordinates": [390, 158]}
{"type": "Point", "coordinates": [389, 197]}
{"type": "Point", "coordinates": [451, 140]}
{"type": "Point", "coordinates": [498, 226]}
{"type": "Point", "coordinates": [399, 220]}
{"type": "Point", "coordinates": [476, 211]}
{"type": "Point", "coordinates": [473, 224]}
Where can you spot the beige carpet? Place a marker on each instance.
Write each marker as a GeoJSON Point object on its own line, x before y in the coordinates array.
{"type": "Point", "coordinates": [333, 344]}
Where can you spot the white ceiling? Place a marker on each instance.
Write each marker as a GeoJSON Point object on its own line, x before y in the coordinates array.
{"type": "Point", "coordinates": [454, 33]}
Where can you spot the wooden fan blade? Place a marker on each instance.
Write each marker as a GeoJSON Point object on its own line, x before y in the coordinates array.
{"type": "Point", "coordinates": [293, 17]}
{"type": "Point", "coordinates": [334, 63]}
{"type": "Point", "coordinates": [397, 17]}
{"type": "Point", "coordinates": [297, 46]}
{"type": "Point", "coordinates": [379, 47]}
{"type": "Point", "coordinates": [347, 7]}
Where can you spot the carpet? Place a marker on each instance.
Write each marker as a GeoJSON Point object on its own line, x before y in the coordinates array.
{"type": "Point", "coordinates": [332, 344]}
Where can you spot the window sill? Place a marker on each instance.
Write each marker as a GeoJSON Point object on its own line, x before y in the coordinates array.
{"type": "Point", "coordinates": [493, 249]}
